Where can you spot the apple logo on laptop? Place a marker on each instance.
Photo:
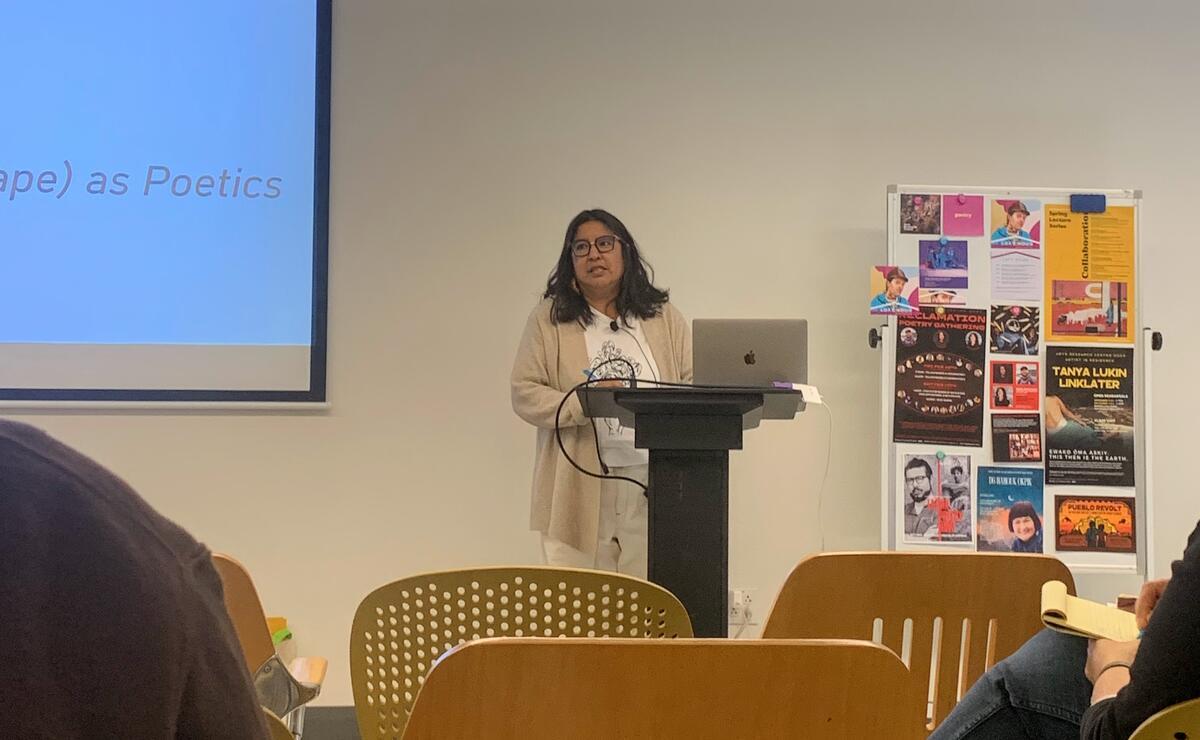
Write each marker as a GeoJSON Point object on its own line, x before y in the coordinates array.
{"type": "Point", "coordinates": [749, 358]}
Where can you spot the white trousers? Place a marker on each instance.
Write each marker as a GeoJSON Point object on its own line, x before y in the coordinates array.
{"type": "Point", "coordinates": [624, 521]}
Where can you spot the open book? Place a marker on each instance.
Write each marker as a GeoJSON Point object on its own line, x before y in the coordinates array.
{"type": "Point", "coordinates": [1075, 616]}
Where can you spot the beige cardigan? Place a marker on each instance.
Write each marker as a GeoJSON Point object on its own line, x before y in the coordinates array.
{"type": "Point", "coordinates": [550, 360]}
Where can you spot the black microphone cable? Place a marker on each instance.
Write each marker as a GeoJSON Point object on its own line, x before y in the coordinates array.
{"type": "Point", "coordinates": [558, 424]}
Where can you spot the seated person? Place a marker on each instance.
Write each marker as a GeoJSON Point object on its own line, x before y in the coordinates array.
{"type": "Point", "coordinates": [1061, 686]}
{"type": "Point", "coordinates": [113, 623]}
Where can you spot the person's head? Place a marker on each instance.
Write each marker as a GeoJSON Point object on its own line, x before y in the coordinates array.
{"type": "Point", "coordinates": [1001, 394]}
{"type": "Point", "coordinates": [1024, 371]}
{"type": "Point", "coordinates": [1023, 521]}
{"type": "Point", "coordinates": [1002, 370]}
{"type": "Point", "coordinates": [917, 479]}
{"type": "Point", "coordinates": [1017, 213]}
{"type": "Point", "coordinates": [896, 280]}
{"type": "Point", "coordinates": [957, 473]}
{"type": "Point", "coordinates": [600, 261]}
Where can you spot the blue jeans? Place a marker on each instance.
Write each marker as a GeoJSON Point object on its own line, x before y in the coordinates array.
{"type": "Point", "coordinates": [1037, 692]}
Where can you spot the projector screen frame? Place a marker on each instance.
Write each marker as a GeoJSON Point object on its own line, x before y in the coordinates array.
{"type": "Point", "coordinates": [314, 398]}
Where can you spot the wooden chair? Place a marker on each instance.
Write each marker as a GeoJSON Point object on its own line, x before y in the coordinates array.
{"type": "Point", "coordinates": [400, 629]}
{"type": "Point", "coordinates": [279, 689]}
{"type": "Point", "coordinates": [949, 616]}
{"type": "Point", "coordinates": [1180, 722]}
{"type": "Point", "coordinates": [589, 689]}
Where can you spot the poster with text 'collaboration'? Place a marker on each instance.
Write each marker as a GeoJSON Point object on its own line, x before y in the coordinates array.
{"type": "Point", "coordinates": [1089, 275]}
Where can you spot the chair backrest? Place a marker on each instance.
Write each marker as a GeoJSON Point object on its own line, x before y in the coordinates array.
{"type": "Point", "coordinates": [400, 629]}
{"type": "Point", "coordinates": [588, 689]}
{"type": "Point", "coordinates": [1179, 722]}
{"type": "Point", "coordinates": [948, 616]}
{"type": "Point", "coordinates": [245, 611]}
{"type": "Point", "coordinates": [277, 689]}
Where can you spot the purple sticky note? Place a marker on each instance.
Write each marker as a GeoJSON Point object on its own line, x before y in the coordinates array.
{"type": "Point", "coordinates": [962, 216]}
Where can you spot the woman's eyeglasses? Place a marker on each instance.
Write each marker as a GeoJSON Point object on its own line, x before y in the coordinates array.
{"type": "Point", "coordinates": [603, 244]}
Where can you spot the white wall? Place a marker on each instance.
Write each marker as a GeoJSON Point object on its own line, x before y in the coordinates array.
{"type": "Point", "coordinates": [748, 146]}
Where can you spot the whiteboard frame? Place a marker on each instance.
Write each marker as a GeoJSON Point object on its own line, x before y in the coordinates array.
{"type": "Point", "coordinates": [1141, 386]}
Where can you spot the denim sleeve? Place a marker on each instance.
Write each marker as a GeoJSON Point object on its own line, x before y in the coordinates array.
{"type": "Point", "coordinates": [1167, 668]}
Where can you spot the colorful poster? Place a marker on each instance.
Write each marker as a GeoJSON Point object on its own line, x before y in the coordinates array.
{"type": "Point", "coordinates": [962, 215]}
{"type": "Point", "coordinates": [1015, 330]}
{"type": "Point", "coordinates": [1089, 275]}
{"type": "Point", "coordinates": [943, 265]}
{"type": "Point", "coordinates": [1016, 254]}
{"type": "Point", "coordinates": [1095, 524]}
{"type": "Point", "coordinates": [1016, 224]}
{"type": "Point", "coordinates": [940, 379]}
{"type": "Point", "coordinates": [1016, 438]}
{"type": "Point", "coordinates": [920, 214]}
{"type": "Point", "coordinates": [936, 497]}
{"type": "Point", "coordinates": [1089, 416]}
{"type": "Point", "coordinates": [1014, 386]}
{"type": "Point", "coordinates": [1010, 510]}
{"type": "Point", "coordinates": [894, 289]}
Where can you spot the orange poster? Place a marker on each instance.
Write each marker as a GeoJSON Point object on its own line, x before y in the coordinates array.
{"type": "Point", "coordinates": [1089, 275]}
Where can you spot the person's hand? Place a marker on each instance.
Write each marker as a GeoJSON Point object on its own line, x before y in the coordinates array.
{"type": "Point", "coordinates": [1147, 599]}
{"type": "Point", "coordinates": [1103, 652]}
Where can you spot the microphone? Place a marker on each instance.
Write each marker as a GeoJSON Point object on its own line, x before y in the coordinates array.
{"type": "Point", "coordinates": [614, 325]}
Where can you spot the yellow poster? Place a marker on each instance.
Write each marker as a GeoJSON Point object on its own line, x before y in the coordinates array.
{"type": "Point", "coordinates": [1089, 275]}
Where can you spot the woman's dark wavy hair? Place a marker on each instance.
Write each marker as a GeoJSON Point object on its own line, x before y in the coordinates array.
{"type": "Point", "coordinates": [637, 295]}
{"type": "Point", "coordinates": [1024, 508]}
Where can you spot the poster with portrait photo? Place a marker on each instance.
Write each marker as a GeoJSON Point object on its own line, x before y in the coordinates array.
{"type": "Point", "coordinates": [1089, 415]}
{"type": "Point", "coordinates": [1010, 510]}
{"type": "Point", "coordinates": [1095, 524]}
{"type": "Point", "coordinates": [1016, 224]}
{"type": "Point", "coordinates": [940, 377]}
{"type": "Point", "coordinates": [1013, 385]}
{"type": "Point", "coordinates": [920, 213]}
{"type": "Point", "coordinates": [1015, 330]}
{"type": "Point", "coordinates": [935, 498]}
{"type": "Point", "coordinates": [895, 289]}
{"type": "Point", "coordinates": [1016, 438]}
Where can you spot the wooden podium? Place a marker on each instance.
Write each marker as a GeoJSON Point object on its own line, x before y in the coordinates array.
{"type": "Point", "coordinates": [689, 432]}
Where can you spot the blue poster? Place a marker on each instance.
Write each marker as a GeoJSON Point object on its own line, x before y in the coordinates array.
{"type": "Point", "coordinates": [1010, 510]}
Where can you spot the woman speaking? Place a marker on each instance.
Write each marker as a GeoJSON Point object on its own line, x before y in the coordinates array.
{"type": "Point", "coordinates": [601, 317]}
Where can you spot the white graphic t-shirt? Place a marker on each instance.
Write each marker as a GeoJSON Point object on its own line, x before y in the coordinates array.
{"type": "Point", "coordinates": [628, 341]}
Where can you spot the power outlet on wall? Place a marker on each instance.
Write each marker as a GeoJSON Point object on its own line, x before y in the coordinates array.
{"type": "Point", "coordinates": [743, 606]}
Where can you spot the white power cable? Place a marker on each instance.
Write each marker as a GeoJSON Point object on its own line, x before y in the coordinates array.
{"type": "Point", "coordinates": [824, 477]}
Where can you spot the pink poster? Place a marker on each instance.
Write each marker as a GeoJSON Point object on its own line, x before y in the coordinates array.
{"type": "Point", "coordinates": [962, 215]}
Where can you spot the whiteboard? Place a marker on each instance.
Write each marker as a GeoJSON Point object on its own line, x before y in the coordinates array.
{"type": "Point", "coordinates": [907, 248]}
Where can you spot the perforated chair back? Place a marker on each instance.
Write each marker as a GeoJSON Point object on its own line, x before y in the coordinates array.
{"type": "Point", "coordinates": [948, 616]}
{"type": "Point", "coordinates": [1180, 722]}
{"type": "Point", "coordinates": [588, 689]}
{"type": "Point", "coordinates": [400, 629]}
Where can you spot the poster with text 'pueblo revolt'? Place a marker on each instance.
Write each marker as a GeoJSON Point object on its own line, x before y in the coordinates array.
{"type": "Point", "coordinates": [940, 376]}
{"type": "Point", "coordinates": [1089, 416]}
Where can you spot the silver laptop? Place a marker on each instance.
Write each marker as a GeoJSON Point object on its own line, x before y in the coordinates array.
{"type": "Point", "coordinates": [749, 352]}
